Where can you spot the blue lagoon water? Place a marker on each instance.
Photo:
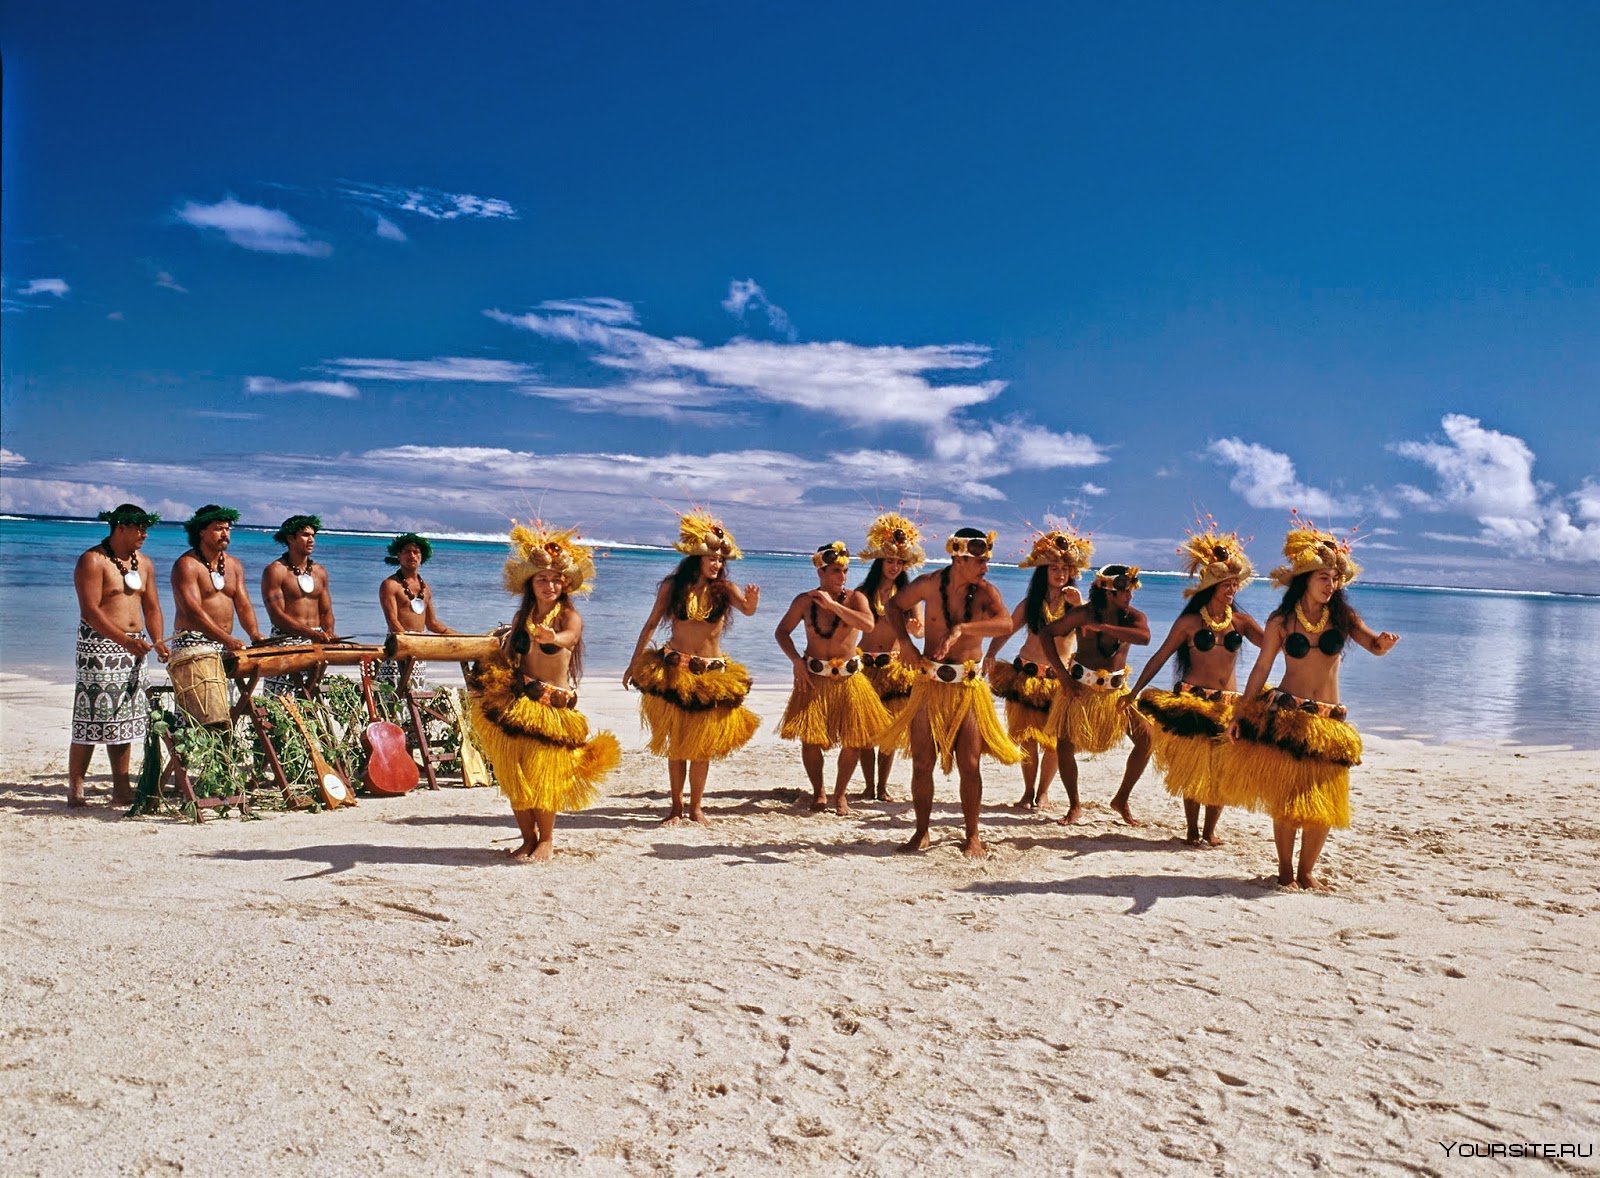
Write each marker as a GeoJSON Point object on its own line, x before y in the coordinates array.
{"type": "Point", "coordinates": [1470, 666]}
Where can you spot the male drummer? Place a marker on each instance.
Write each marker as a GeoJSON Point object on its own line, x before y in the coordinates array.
{"type": "Point", "coordinates": [407, 601]}
{"type": "Point", "coordinates": [832, 704]}
{"type": "Point", "coordinates": [209, 586]}
{"type": "Point", "coordinates": [118, 607]}
{"type": "Point", "coordinates": [294, 589]}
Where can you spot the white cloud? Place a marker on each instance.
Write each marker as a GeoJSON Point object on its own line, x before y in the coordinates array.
{"type": "Point", "coordinates": [744, 293]}
{"type": "Point", "coordinates": [46, 286]}
{"type": "Point", "coordinates": [1092, 489]}
{"type": "Point", "coordinates": [1266, 478]}
{"type": "Point", "coordinates": [262, 385]}
{"type": "Point", "coordinates": [464, 369]}
{"type": "Point", "coordinates": [388, 230]}
{"type": "Point", "coordinates": [668, 398]}
{"type": "Point", "coordinates": [433, 204]}
{"type": "Point", "coordinates": [116, 316]}
{"type": "Point", "coordinates": [224, 415]}
{"type": "Point", "coordinates": [11, 458]}
{"type": "Point", "coordinates": [32, 496]}
{"type": "Point", "coordinates": [1489, 476]}
{"type": "Point", "coordinates": [253, 227]}
{"type": "Point", "coordinates": [1015, 444]}
{"type": "Point", "coordinates": [167, 282]}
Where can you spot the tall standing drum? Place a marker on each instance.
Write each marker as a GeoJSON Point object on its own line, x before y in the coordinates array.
{"type": "Point", "coordinates": [200, 685]}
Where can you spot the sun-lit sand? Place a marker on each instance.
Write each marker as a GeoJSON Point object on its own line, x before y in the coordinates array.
{"type": "Point", "coordinates": [379, 989]}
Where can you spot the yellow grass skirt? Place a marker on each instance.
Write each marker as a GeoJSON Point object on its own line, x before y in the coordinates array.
{"type": "Point", "coordinates": [1189, 745]}
{"type": "Point", "coordinates": [947, 706]}
{"type": "Point", "coordinates": [1089, 719]}
{"type": "Point", "coordinates": [1295, 765]}
{"type": "Point", "coordinates": [543, 757]}
{"type": "Point", "coordinates": [1028, 701]}
{"type": "Point", "coordinates": [694, 715]}
{"type": "Point", "coordinates": [835, 712]}
{"type": "Point", "coordinates": [893, 685]}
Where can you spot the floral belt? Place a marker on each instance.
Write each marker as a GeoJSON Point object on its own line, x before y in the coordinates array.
{"type": "Point", "coordinates": [1285, 702]}
{"type": "Point", "coordinates": [549, 694]}
{"type": "Point", "coordinates": [1100, 680]}
{"type": "Point", "coordinates": [1209, 694]}
{"type": "Point", "coordinates": [1034, 670]}
{"type": "Point", "coordinates": [952, 672]}
{"type": "Point", "coordinates": [697, 664]}
{"type": "Point", "coordinates": [880, 660]}
{"type": "Point", "coordinates": [833, 668]}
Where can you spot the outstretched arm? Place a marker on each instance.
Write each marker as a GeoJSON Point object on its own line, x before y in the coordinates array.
{"type": "Point", "coordinates": [1378, 644]}
{"type": "Point", "coordinates": [1181, 631]}
{"type": "Point", "coordinates": [744, 600]}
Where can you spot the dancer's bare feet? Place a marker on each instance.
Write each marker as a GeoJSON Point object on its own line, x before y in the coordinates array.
{"type": "Point", "coordinates": [1286, 877]}
{"type": "Point", "coordinates": [76, 801]}
{"type": "Point", "coordinates": [973, 848]}
{"type": "Point", "coordinates": [1074, 816]}
{"type": "Point", "coordinates": [673, 819]}
{"type": "Point", "coordinates": [920, 841]}
{"type": "Point", "coordinates": [819, 803]}
{"type": "Point", "coordinates": [522, 852]}
{"type": "Point", "coordinates": [1123, 808]}
{"type": "Point", "coordinates": [1044, 803]}
{"type": "Point", "coordinates": [544, 852]}
{"type": "Point", "coordinates": [1311, 883]}
{"type": "Point", "coordinates": [698, 817]}
{"type": "Point", "coordinates": [1025, 802]}
{"type": "Point", "coordinates": [841, 804]}
{"type": "Point", "coordinates": [1192, 839]}
{"type": "Point", "coordinates": [1213, 841]}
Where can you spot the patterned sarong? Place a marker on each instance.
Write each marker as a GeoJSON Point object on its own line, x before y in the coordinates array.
{"type": "Point", "coordinates": [108, 703]}
{"type": "Point", "coordinates": [294, 683]}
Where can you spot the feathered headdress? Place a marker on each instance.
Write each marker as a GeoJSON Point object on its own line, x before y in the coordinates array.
{"type": "Point", "coordinates": [1307, 549]}
{"type": "Point", "coordinates": [1058, 546]}
{"type": "Point", "coordinates": [832, 553]}
{"type": "Point", "coordinates": [537, 549]}
{"type": "Point", "coordinates": [701, 534]}
{"type": "Point", "coordinates": [1215, 557]}
{"type": "Point", "coordinates": [893, 537]}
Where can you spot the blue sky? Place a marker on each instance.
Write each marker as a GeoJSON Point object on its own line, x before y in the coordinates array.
{"type": "Point", "coordinates": [1117, 262]}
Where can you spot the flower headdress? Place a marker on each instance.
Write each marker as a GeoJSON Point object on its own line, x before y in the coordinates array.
{"type": "Point", "coordinates": [537, 549]}
{"type": "Point", "coordinates": [401, 541]}
{"type": "Point", "coordinates": [830, 554]}
{"type": "Point", "coordinates": [1215, 557]}
{"type": "Point", "coordinates": [1307, 549]}
{"type": "Point", "coordinates": [130, 514]}
{"type": "Point", "coordinates": [1058, 546]}
{"type": "Point", "coordinates": [296, 523]}
{"type": "Point", "coordinates": [701, 534]}
{"type": "Point", "coordinates": [893, 537]}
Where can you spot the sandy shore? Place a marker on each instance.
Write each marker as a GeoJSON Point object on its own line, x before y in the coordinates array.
{"type": "Point", "coordinates": [378, 990]}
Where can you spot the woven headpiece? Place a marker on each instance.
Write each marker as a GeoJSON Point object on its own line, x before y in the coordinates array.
{"type": "Point", "coordinates": [294, 524]}
{"type": "Point", "coordinates": [209, 514]}
{"type": "Point", "coordinates": [401, 541]}
{"type": "Point", "coordinates": [1058, 546]}
{"type": "Point", "coordinates": [894, 537]}
{"type": "Point", "coordinates": [1307, 549]}
{"type": "Point", "coordinates": [979, 546]}
{"type": "Point", "coordinates": [1215, 557]}
{"type": "Point", "coordinates": [537, 549]}
{"type": "Point", "coordinates": [1114, 578]}
{"type": "Point", "coordinates": [834, 553]}
{"type": "Point", "coordinates": [701, 534]}
{"type": "Point", "coordinates": [129, 514]}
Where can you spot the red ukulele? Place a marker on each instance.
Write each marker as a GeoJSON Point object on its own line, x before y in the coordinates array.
{"type": "Point", "coordinates": [390, 770]}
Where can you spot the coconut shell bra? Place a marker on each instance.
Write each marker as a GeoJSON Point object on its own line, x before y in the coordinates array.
{"type": "Point", "coordinates": [1297, 645]}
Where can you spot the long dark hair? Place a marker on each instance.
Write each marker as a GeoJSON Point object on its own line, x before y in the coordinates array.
{"type": "Point", "coordinates": [1038, 594]}
{"type": "Point", "coordinates": [1343, 617]}
{"type": "Point", "coordinates": [682, 580]}
{"type": "Point", "coordinates": [874, 581]}
{"type": "Point", "coordinates": [521, 640]}
{"type": "Point", "coordinates": [1196, 603]}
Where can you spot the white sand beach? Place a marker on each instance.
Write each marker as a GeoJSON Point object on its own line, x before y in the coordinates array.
{"type": "Point", "coordinates": [379, 990]}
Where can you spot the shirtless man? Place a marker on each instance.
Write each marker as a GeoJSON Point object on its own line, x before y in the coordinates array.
{"type": "Point", "coordinates": [294, 589]}
{"type": "Point", "coordinates": [117, 608]}
{"type": "Point", "coordinates": [951, 711]}
{"type": "Point", "coordinates": [407, 601]}
{"type": "Point", "coordinates": [208, 586]}
{"type": "Point", "coordinates": [1089, 715]}
{"type": "Point", "coordinates": [832, 704]}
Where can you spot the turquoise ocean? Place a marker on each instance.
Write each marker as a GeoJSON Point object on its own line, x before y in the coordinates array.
{"type": "Point", "coordinates": [1472, 665]}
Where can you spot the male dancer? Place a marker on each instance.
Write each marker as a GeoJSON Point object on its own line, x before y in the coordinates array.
{"type": "Point", "coordinates": [833, 704]}
{"type": "Point", "coordinates": [208, 585]}
{"type": "Point", "coordinates": [294, 589]}
{"type": "Point", "coordinates": [951, 711]}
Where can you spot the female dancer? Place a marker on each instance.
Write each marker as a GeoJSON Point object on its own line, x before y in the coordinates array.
{"type": "Point", "coordinates": [694, 694]}
{"type": "Point", "coordinates": [894, 546]}
{"type": "Point", "coordinates": [1028, 683]}
{"type": "Point", "coordinates": [524, 703]}
{"type": "Point", "coordinates": [1294, 747]}
{"type": "Point", "coordinates": [1185, 724]}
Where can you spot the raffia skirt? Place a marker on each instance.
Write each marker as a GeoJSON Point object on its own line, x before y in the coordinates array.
{"type": "Point", "coordinates": [1090, 719]}
{"type": "Point", "coordinates": [893, 684]}
{"type": "Point", "coordinates": [1028, 702]}
{"type": "Point", "coordinates": [834, 712]}
{"type": "Point", "coordinates": [1295, 764]}
{"type": "Point", "coordinates": [543, 757]}
{"type": "Point", "coordinates": [1189, 744]}
{"type": "Point", "coordinates": [947, 706]}
{"type": "Point", "coordinates": [694, 715]}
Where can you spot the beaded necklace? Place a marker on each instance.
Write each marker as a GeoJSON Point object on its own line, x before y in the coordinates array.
{"type": "Point", "coordinates": [129, 570]}
{"type": "Point", "coordinates": [944, 601]}
{"type": "Point", "coordinates": [418, 605]}
{"type": "Point", "coordinates": [218, 571]}
{"type": "Point", "coordinates": [816, 620]}
{"type": "Point", "coordinates": [1217, 627]}
{"type": "Point", "coordinates": [302, 573]}
{"type": "Point", "coordinates": [1304, 621]}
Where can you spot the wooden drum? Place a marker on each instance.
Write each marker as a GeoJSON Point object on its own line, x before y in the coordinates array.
{"type": "Point", "coordinates": [200, 685]}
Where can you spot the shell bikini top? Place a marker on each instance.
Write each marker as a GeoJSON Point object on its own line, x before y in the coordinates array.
{"type": "Point", "coordinates": [1297, 645]}
{"type": "Point", "coordinates": [1205, 639]}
